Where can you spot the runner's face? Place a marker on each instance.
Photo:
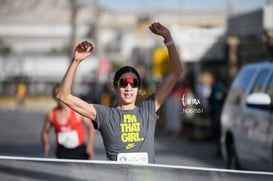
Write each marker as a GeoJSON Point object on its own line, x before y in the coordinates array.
{"type": "Point", "coordinates": [127, 88]}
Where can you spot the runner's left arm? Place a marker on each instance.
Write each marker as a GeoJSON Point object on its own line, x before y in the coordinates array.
{"type": "Point", "coordinates": [175, 65]}
{"type": "Point", "coordinates": [91, 136]}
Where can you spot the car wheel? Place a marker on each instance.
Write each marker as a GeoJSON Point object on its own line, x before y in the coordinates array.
{"type": "Point", "coordinates": [232, 161]}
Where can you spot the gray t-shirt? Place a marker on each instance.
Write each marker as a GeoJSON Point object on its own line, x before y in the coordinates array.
{"type": "Point", "coordinates": [125, 131]}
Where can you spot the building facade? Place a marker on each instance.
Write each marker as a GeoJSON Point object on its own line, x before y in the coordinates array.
{"type": "Point", "coordinates": [40, 38]}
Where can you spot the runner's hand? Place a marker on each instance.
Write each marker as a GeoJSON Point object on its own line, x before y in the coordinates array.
{"type": "Point", "coordinates": [161, 30]}
{"type": "Point", "coordinates": [83, 50]}
{"type": "Point", "coordinates": [46, 149]}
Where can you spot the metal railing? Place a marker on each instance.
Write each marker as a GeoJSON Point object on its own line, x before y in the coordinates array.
{"type": "Point", "coordinates": [23, 168]}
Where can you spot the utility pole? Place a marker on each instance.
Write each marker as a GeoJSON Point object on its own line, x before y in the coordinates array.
{"type": "Point", "coordinates": [96, 25]}
{"type": "Point", "coordinates": [73, 25]}
{"type": "Point", "coordinates": [230, 7]}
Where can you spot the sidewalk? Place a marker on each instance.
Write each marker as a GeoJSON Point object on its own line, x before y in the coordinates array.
{"type": "Point", "coordinates": [32, 104]}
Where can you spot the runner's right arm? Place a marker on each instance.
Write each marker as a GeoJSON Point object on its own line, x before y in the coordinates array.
{"type": "Point", "coordinates": [82, 51]}
{"type": "Point", "coordinates": [45, 133]}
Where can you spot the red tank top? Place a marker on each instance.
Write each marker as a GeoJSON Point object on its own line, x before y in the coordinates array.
{"type": "Point", "coordinates": [73, 124]}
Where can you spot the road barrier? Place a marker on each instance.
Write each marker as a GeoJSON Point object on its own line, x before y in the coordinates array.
{"type": "Point", "coordinates": [31, 168]}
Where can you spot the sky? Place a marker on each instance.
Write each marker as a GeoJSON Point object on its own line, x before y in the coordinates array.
{"type": "Point", "coordinates": [244, 5]}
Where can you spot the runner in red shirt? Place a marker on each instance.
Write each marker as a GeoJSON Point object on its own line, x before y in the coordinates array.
{"type": "Point", "coordinates": [70, 133]}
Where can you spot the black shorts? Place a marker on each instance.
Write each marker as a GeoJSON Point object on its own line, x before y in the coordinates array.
{"type": "Point", "coordinates": [75, 153]}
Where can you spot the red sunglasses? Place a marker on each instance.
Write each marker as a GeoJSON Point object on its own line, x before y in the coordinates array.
{"type": "Point", "coordinates": [125, 81]}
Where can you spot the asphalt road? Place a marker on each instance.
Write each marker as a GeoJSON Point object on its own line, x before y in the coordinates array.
{"type": "Point", "coordinates": [180, 158]}
{"type": "Point", "coordinates": [20, 136]}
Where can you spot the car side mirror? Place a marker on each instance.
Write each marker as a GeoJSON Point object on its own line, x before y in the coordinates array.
{"type": "Point", "coordinates": [259, 100]}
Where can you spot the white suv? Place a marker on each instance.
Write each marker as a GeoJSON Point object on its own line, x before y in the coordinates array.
{"type": "Point", "coordinates": [247, 119]}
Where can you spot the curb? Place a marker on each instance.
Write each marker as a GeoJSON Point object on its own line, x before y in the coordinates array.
{"type": "Point", "coordinates": [32, 104]}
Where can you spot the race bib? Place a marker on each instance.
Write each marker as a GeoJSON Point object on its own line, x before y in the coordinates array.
{"type": "Point", "coordinates": [135, 157]}
{"type": "Point", "coordinates": [68, 139]}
